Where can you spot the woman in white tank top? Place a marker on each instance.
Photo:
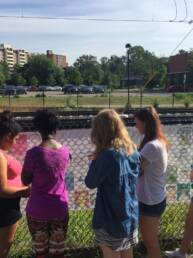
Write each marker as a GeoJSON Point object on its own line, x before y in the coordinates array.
{"type": "Point", "coordinates": [151, 184]}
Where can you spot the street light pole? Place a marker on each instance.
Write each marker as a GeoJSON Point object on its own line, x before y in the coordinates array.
{"type": "Point", "coordinates": [128, 48]}
{"type": "Point", "coordinates": [77, 100]}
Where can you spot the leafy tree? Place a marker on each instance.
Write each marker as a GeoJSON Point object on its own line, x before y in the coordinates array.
{"type": "Point", "coordinates": [182, 52]}
{"type": "Point", "coordinates": [4, 73]}
{"type": "Point", "coordinates": [41, 67]}
{"type": "Point", "coordinates": [60, 76]}
{"type": "Point", "coordinates": [5, 70]}
{"type": "Point", "coordinates": [17, 79]}
{"type": "Point", "coordinates": [89, 68]}
{"type": "Point", "coordinates": [2, 79]}
{"type": "Point", "coordinates": [51, 80]}
{"type": "Point", "coordinates": [73, 76]}
{"type": "Point", "coordinates": [33, 81]}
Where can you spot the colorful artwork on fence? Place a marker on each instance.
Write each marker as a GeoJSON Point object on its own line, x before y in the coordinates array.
{"type": "Point", "coordinates": [180, 159]}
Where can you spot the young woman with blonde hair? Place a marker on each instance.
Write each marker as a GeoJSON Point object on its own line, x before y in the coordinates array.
{"type": "Point", "coordinates": [113, 171]}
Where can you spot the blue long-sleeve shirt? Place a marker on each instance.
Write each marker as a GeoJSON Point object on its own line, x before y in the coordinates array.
{"type": "Point", "coordinates": [114, 174]}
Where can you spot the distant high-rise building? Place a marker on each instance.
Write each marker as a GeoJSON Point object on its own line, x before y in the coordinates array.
{"type": "Point", "coordinates": [12, 56]}
{"type": "Point", "coordinates": [59, 60]}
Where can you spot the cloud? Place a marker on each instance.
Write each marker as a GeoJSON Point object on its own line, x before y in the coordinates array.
{"type": "Point", "coordinates": [99, 38]}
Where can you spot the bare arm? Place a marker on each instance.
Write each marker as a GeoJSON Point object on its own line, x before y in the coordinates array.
{"type": "Point", "coordinates": [8, 191]}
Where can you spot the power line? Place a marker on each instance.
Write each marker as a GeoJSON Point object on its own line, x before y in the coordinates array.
{"type": "Point", "coordinates": [92, 19]}
{"type": "Point", "coordinates": [186, 8]}
{"type": "Point", "coordinates": [182, 41]}
{"type": "Point", "coordinates": [176, 11]}
{"type": "Point", "coordinates": [153, 10]}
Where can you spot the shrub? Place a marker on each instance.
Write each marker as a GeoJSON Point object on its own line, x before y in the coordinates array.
{"type": "Point", "coordinates": [156, 103]}
{"type": "Point", "coordinates": [40, 95]}
{"type": "Point", "coordinates": [68, 101]}
{"type": "Point", "coordinates": [16, 96]}
{"type": "Point", "coordinates": [187, 102]}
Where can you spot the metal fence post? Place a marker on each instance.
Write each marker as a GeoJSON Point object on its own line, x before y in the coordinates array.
{"type": "Point", "coordinates": [77, 101]}
{"type": "Point", "coordinates": [109, 98]}
{"type": "Point", "coordinates": [173, 99]}
{"type": "Point", "coordinates": [141, 97]}
{"type": "Point", "coordinates": [9, 97]}
{"type": "Point", "coordinates": [43, 99]}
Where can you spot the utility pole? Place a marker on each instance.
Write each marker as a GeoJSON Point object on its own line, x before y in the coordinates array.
{"type": "Point", "coordinates": [128, 48]}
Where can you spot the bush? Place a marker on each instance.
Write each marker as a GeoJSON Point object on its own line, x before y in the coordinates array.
{"type": "Point", "coordinates": [187, 102]}
{"type": "Point", "coordinates": [16, 96]}
{"type": "Point", "coordinates": [68, 101]}
{"type": "Point", "coordinates": [180, 96]}
{"type": "Point", "coordinates": [104, 95]}
{"type": "Point", "coordinates": [40, 95]}
{"type": "Point", "coordinates": [156, 103]}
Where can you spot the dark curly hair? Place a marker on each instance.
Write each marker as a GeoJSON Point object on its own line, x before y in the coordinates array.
{"type": "Point", "coordinates": [46, 123]}
{"type": "Point", "coordinates": [8, 125]}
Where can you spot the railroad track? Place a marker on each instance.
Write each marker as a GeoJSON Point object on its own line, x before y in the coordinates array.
{"type": "Point", "coordinates": [80, 122]}
{"type": "Point", "coordinates": [88, 112]}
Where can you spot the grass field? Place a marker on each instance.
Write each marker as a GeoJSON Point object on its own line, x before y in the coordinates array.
{"type": "Point", "coordinates": [80, 236]}
{"type": "Point", "coordinates": [29, 103]}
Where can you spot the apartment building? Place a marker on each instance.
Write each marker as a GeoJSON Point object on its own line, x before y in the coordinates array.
{"type": "Point", "coordinates": [59, 60]}
{"type": "Point", "coordinates": [13, 56]}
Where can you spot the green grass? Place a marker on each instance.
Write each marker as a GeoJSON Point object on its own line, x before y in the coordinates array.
{"type": "Point", "coordinates": [80, 236]}
{"type": "Point", "coordinates": [66, 102]}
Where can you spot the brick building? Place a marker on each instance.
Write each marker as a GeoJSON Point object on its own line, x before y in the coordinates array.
{"type": "Point", "coordinates": [59, 60]}
{"type": "Point", "coordinates": [178, 73]}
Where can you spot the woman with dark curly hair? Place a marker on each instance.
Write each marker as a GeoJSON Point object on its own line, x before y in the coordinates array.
{"type": "Point", "coordinates": [44, 168]}
{"type": "Point", "coordinates": [11, 188]}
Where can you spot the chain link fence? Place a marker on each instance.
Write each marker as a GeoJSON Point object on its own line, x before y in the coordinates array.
{"type": "Point", "coordinates": [81, 200]}
{"type": "Point", "coordinates": [116, 99]}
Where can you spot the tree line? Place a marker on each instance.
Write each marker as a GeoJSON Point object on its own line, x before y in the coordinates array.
{"type": "Point", "coordinates": [88, 70]}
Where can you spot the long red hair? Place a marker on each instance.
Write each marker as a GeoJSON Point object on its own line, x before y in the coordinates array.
{"type": "Point", "coordinates": [153, 128]}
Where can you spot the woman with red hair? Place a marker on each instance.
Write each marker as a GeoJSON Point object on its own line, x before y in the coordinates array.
{"type": "Point", "coordinates": [151, 183]}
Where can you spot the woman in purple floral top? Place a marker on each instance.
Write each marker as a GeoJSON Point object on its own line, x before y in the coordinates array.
{"type": "Point", "coordinates": [47, 209]}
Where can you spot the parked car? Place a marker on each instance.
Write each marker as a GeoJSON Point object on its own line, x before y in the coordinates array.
{"type": "Point", "coordinates": [32, 88]}
{"type": "Point", "coordinates": [10, 90]}
{"type": "Point", "coordinates": [70, 89]}
{"type": "Point", "coordinates": [48, 88]}
{"type": "Point", "coordinates": [2, 90]}
{"type": "Point", "coordinates": [42, 88]}
{"type": "Point", "coordinates": [21, 90]}
{"type": "Point", "coordinates": [57, 88]}
{"type": "Point", "coordinates": [175, 88]}
{"type": "Point", "coordinates": [86, 89]}
{"type": "Point", "coordinates": [98, 89]}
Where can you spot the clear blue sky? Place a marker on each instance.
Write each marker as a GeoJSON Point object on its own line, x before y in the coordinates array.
{"type": "Point", "coordinates": [75, 38]}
